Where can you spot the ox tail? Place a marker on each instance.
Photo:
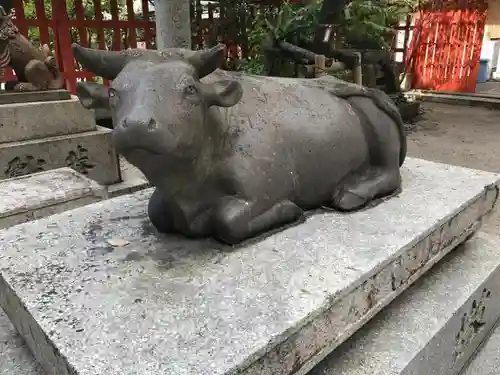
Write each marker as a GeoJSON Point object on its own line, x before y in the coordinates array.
{"type": "Point", "coordinates": [386, 105]}
{"type": "Point", "coordinates": [381, 100]}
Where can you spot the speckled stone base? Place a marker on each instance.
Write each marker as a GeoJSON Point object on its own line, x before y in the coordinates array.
{"type": "Point", "coordinates": [96, 291]}
{"type": "Point", "coordinates": [90, 153]}
{"type": "Point", "coordinates": [38, 195]}
{"type": "Point", "coordinates": [435, 326]}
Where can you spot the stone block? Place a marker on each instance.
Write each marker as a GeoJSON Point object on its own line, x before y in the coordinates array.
{"type": "Point", "coordinates": [34, 120]}
{"type": "Point", "coordinates": [487, 359]}
{"type": "Point", "coordinates": [96, 290]}
{"type": "Point", "coordinates": [9, 97]}
{"type": "Point", "coordinates": [31, 197]}
{"type": "Point", "coordinates": [435, 326]}
{"type": "Point", "coordinates": [132, 180]}
{"type": "Point", "coordinates": [90, 153]}
{"type": "Point", "coordinates": [15, 356]}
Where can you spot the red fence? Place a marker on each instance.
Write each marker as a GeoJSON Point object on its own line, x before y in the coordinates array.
{"type": "Point", "coordinates": [104, 25]}
{"type": "Point", "coordinates": [62, 22]}
{"type": "Point", "coordinates": [446, 46]}
{"type": "Point", "coordinates": [443, 53]}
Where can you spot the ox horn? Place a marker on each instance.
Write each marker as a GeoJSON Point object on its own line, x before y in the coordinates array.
{"type": "Point", "coordinates": [207, 60]}
{"type": "Point", "coordinates": [106, 64]}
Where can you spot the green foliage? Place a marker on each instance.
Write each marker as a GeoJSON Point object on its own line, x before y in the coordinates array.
{"type": "Point", "coordinates": [252, 65]}
{"type": "Point", "coordinates": [287, 23]}
{"type": "Point", "coordinates": [370, 23]}
{"type": "Point", "coordinates": [296, 20]}
{"type": "Point", "coordinates": [366, 24]}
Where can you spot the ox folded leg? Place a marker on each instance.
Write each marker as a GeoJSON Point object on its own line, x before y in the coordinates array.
{"type": "Point", "coordinates": [358, 190]}
{"type": "Point", "coordinates": [159, 214]}
{"type": "Point", "coordinates": [237, 219]}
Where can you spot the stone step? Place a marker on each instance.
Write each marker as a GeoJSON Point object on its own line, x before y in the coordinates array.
{"type": "Point", "coordinates": [435, 326]}
{"type": "Point", "coordinates": [35, 120]}
{"type": "Point", "coordinates": [28, 198]}
{"type": "Point", "coordinates": [9, 97]}
{"type": "Point", "coordinates": [467, 99]}
{"type": "Point", "coordinates": [31, 197]}
{"type": "Point", "coordinates": [15, 357]}
{"type": "Point", "coordinates": [132, 180]}
{"type": "Point", "coordinates": [90, 153]}
{"type": "Point", "coordinates": [96, 290]}
{"type": "Point", "coordinates": [487, 359]}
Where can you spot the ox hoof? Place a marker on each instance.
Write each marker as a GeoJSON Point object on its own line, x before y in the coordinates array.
{"type": "Point", "coordinates": [348, 201]}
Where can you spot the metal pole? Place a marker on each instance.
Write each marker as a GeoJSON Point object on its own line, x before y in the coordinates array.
{"type": "Point", "coordinates": [357, 71]}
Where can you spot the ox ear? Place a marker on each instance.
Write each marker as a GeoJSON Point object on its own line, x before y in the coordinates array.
{"type": "Point", "coordinates": [207, 60]}
{"type": "Point", "coordinates": [92, 95]}
{"type": "Point", "coordinates": [225, 93]}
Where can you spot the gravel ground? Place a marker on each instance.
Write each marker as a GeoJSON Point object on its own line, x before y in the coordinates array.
{"type": "Point", "coordinates": [458, 135]}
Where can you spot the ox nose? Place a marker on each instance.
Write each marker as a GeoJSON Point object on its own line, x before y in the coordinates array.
{"type": "Point", "coordinates": [142, 123]}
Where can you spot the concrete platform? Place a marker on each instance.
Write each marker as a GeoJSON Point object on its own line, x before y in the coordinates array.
{"type": "Point", "coordinates": [31, 197]}
{"type": "Point", "coordinates": [435, 326]}
{"type": "Point", "coordinates": [90, 153]}
{"type": "Point", "coordinates": [96, 291]}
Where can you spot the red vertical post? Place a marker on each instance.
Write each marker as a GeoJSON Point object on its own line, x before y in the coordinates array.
{"type": "Point", "coordinates": [80, 17]}
{"type": "Point", "coordinates": [63, 43]}
{"type": "Point", "coordinates": [100, 27]}
{"type": "Point", "coordinates": [147, 28]}
{"type": "Point", "coordinates": [116, 28]}
{"type": "Point", "coordinates": [132, 40]}
{"type": "Point", "coordinates": [20, 17]}
{"type": "Point", "coordinates": [42, 22]}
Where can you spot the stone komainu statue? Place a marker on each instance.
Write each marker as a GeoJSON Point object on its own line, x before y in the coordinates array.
{"type": "Point", "coordinates": [36, 69]}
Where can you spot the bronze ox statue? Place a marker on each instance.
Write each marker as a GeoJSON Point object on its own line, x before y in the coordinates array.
{"type": "Point", "coordinates": [233, 155]}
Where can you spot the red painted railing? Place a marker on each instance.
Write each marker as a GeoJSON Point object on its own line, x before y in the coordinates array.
{"type": "Point", "coordinates": [62, 22]}
{"type": "Point", "coordinates": [446, 45]}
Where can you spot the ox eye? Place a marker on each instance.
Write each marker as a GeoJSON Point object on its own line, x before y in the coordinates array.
{"type": "Point", "coordinates": [191, 90]}
{"type": "Point", "coordinates": [111, 93]}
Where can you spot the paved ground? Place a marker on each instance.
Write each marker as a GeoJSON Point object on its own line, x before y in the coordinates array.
{"type": "Point", "coordinates": [459, 135]}
{"type": "Point", "coordinates": [489, 87]}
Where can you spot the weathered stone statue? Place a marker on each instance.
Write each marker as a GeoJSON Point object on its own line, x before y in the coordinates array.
{"type": "Point", "coordinates": [234, 155]}
{"type": "Point", "coordinates": [36, 69]}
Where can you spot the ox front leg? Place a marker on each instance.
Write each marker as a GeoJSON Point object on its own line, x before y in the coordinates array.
{"type": "Point", "coordinates": [237, 219]}
{"type": "Point", "coordinates": [160, 214]}
{"type": "Point", "coordinates": [359, 190]}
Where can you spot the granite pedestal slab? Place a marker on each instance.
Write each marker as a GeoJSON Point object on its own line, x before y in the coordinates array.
{"type": "Point", "coordinates": [90, 153]}
{"type": "Point", "coordinates": [96, 290]}
{"type": "Point", "coordinates": [435, 326]}
{"type": "Point", "coordinates": [31, 197]}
